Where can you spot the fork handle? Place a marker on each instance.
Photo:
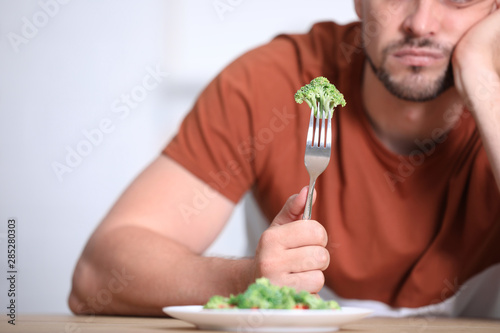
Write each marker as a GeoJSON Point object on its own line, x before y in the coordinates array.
{"type": "Point", "coordinates": [310, 192]}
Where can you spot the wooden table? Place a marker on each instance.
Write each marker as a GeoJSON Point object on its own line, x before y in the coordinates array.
{"type": "Point", "coordinates": [81, 324]}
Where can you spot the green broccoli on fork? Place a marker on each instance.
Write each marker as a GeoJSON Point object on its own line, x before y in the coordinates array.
{"type": "Point", "coordinates": [320, 95]}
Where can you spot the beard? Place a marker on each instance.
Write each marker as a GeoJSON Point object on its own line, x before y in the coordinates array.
{"type": "Point", "coordinates": [415, 86]}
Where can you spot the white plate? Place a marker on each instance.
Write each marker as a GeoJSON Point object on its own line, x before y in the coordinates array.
{"type": "Point", "coordinates": [243, 320]}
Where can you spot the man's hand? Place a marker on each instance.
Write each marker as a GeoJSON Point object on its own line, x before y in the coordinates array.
{"type": "Point", "coordinates": [292, 251]}
{"type": "Point", "coordinates": [476, 61]}
{"type": "Point", "coordinates": [476, 68]}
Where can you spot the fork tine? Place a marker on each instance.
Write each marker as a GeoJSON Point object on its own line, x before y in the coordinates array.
{"type": "Point", "coordinates": [316, 132]}
{"type": "Point", "coordinates": [329, 131]}
{"type": "Point", "coordinates": [310, 130]}
{"type": "Point", "coordinates": [323, 129]}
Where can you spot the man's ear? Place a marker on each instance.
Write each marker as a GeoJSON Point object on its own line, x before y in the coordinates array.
{"type": "Point", "coordinates": [358, 5]}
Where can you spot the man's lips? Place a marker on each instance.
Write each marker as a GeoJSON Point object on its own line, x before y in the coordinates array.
{"type": "Point", "coordinates": [418, 56]}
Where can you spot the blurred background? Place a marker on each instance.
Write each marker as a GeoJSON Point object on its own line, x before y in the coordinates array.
{"type": "Point", "coordinates": [90, 93]}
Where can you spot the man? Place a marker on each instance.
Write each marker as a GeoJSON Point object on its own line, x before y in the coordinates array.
{"type": "Point", "coordinates": [407, 211]}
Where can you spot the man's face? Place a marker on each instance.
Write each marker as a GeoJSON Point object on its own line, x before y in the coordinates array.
{"type": "Point", "coordinates": [409, 43]}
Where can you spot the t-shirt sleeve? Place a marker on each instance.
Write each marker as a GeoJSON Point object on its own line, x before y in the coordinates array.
{"type": "Point", "coordinates": [210, 139]}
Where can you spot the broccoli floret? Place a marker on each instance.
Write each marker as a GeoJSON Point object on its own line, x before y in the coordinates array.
{"type": "Point", "coordinates": [217, 302]}
{"type": "Point", "coordinates": [288, 298]}
{"type": "Point", "coordinates": [332, 305]}
{"type": "Point", "coordinates": [258, 295]}
{"type": "Point", "coordinates": [264, 295]}
{"type": "Point", "coordinates": [320, 95]}
{"type": "Point", "coordinates": [314, 302]}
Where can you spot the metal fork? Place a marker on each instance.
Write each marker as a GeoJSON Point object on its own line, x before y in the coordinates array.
{"type": "Point", "coordinates": [318, 152]}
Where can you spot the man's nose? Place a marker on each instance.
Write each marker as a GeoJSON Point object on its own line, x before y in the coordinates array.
{"type": "Point", "coordinates": [423, 18]}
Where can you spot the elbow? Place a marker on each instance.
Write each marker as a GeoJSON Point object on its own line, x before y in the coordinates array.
{"type": "Point", "coordinates": [75, 304]}
{"type": "Point", "coordinates": [79, 289]}
{"type": "Point", "coordinates": [90, 295]}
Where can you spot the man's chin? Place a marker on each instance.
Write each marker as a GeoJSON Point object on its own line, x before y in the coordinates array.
{"type": "Point", "coordinates": [415, 94]}
{"type": "Point", "coordinates": [414, 84]}
{"type": "Point", "coordinates": [417, 86]}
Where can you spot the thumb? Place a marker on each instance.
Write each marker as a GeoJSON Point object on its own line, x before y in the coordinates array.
{"type": "Point", "coordinates": [293, 208]}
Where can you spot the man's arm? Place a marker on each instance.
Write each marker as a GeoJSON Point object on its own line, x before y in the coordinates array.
{"type": "Point", "coordinates": [476, 67]}
{"type": "Point", "coordinates": [146, 254]}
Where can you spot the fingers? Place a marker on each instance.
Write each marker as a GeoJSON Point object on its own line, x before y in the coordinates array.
{"type": "Point", "coordinates": [296, 260]}
{"type": "Point", "coordinates": [296, 234]}
{"type": "Point", "coordinates": [294, 254]}
{"type": "Point", "coordinates": [311, 281]}
{"type": "Point", "coordinates": [293, 208]}
{"type": "Point", "coordinates": [308, 258]}
{"type": "Point", "coordinates": [293, 251]}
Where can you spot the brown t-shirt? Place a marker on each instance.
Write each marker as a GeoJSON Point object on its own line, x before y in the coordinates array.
{"type": "Point", "coordinates": [403, 230]}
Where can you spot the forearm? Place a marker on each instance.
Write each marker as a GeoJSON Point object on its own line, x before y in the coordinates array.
{"type": "Point", "coordinates": [487, 115]}
{"type": "Point", "coordinates": [476, 69]}
{"type": "Point", "coordinates": [132, 270]}
{"type": "Point", "coordinates": [484, 102]}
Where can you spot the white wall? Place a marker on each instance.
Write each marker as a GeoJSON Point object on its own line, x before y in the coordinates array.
{"type": "Point", "coordinates": [64, 70]}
